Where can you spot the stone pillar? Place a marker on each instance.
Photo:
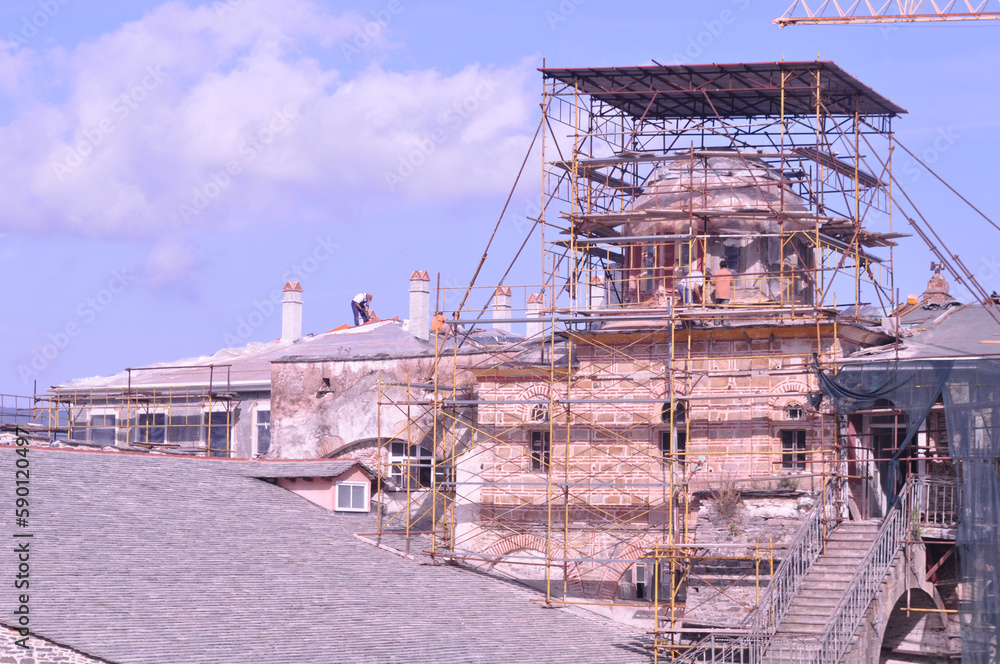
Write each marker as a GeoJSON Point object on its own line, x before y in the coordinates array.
{"type": "Point", "coordinates": [501, 308]}
{"type": "Point", "coordinates": [534, 306]}
{"type": "Point", "coordinates": [420, 305]}
{"type": "Point", "coordinates": [291, 312]}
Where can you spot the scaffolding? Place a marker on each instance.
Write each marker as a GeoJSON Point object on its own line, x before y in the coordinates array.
{"type": "Point", "coordinates": [648, 397]}
{"type": "Point", "coordinates": [149, 409]}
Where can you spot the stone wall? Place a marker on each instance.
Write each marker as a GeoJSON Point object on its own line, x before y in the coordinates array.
{"type": "Point", "coordinates": [321, 407]}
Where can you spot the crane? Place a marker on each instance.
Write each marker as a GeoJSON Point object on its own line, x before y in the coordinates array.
{"type": "Point", "coordinates": [887, 11]}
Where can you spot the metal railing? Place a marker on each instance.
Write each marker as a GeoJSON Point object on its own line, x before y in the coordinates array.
{"type": "Point", "coordinates": [922, 501]}
{"type": "Point", "coordinates": [867, 581]}
{"type": "Point", "coordinates": [781, 591]}
{"type": "Point", "coordinates": [936, 502]}
{"type": "Point", "coordinates": [795, 565]}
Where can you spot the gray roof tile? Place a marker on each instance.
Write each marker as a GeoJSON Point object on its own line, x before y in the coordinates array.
{"type": "Point", "coordinates": [155, 559]}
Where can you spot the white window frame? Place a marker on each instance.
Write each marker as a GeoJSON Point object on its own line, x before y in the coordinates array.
{"type": "Point", "coordinates": [266, 405]}
{"type": "Point", "coordinates": [104, 411]}
{"type": "Point", "coordinates": [366, 487]}
{"type": "Point", "coordinates": [142, 411]}
{"type": "Point", "coordinates": [401, 467]}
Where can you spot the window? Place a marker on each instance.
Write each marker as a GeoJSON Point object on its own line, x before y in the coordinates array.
{"type": "Point", "coordinates": [673, 446]}
{"type": "Point", "coordinates": [648, 268]}
{"type": "Point", "coordinates": [793, 411]}
{"type": "Point", "coordinates": [217, 424]}
{"type": "Point", "coordinates": [150, 428]}
{"type": "Point", "coordinates": [103, 429]}
{"type": "Point", "coordinates": [352, 497]}
{"type": "Point", "coordinates": [539, 413]}
{"type": "Point", "coordinates": [793, 450]}
{"type": "Point", "coordinates": [640, 580]}
{"type": "Point", "coordinates": [731, 253]}
{"type": "Point", "coordinates": [540, 451]}
{"type": "Point", "coordinates": [411, 466]}
{"type": "Point", "coordinates": [262, 431]}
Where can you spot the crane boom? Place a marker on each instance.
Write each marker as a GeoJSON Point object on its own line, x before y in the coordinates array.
{"type": "Point", "coordinates": [887, 11]}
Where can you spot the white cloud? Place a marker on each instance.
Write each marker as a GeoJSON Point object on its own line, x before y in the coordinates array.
{"type": "Point", "coordinates": [170, 262]}
{"type": "Point", "coordinates": [191, 118]}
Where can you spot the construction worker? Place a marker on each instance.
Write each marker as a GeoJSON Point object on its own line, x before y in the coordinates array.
{"type": "Point", "coordinates": [359, 307]}
{"type": "Point", "coordinates": [439, 325]}
{"type": "Point", "coordinates": [722, 280]}
{"type": "Point", "coordinates": [690, 286]}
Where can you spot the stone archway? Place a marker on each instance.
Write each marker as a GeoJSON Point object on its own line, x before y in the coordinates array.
{"type": "Point", "coordinates": [919, 635]}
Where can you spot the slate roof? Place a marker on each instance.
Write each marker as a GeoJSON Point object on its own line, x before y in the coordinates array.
{"type": "Point", "coordinates": [250, 365]}
{"type": "Point", "coordinates": [963, 331]}
{"type": "Point", "coordinates": [277, 468]}
{"type": "Point", "coordinates": [156, 559]}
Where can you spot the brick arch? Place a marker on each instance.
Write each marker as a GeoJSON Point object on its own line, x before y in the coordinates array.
{"type": "Point", "coordinates": [791, 385]}
{"type": "Point", "coordinates": [608, 588]}
{"type": "Point", "coordinates": [530, 541]}
{"type": "Point", "coordinates": [532, 392]}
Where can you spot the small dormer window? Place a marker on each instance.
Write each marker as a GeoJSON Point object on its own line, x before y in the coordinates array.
{"type": "Point", "coordinates": [793, 411]}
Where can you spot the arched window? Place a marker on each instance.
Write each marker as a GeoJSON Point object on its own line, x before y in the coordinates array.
{"type": "Point", "coordinates": [673, 442]}
{"type": "Point", "coordinates": [793, 411]}
{"type": "Point", "coordinates": [678, 412]}
{"type": "Point", "coordinates": [539, 413]}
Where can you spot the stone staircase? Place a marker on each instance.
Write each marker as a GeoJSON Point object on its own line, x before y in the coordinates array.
{"type": "Point", "coordinates": [825, 584]}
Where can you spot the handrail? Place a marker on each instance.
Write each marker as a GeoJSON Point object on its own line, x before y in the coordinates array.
{"type": "Point", "coordinates": [781, 590]}
{"type": "Point", "coordinates": [867, 581]}
{"type": "Point", "coordinates": [798, 560]}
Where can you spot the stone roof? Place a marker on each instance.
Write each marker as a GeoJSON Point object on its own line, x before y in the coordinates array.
{"type": "Point", "coordinates": [278, 468]}
{"type": "Point", "coordinates": [156, 559]}
{"type": "Point", "coordinates": [949, 331]}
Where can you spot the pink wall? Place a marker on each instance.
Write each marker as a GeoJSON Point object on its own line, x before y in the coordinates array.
{"type": "Point", "coordinates": [322, 490]}
{"type": "Point", "coordinates": [315, 490]}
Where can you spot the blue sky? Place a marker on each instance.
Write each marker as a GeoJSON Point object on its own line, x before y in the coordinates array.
{"type": "Point", "coordinates": [228, 144]}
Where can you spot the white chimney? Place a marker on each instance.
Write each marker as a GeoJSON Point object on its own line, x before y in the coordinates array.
{"type": "Point", "coordinates": [420, 304]}
{"type": "Point", "coordinates": [291, 312]}
{"type": "Point", "coordinates": [534, 306]}
{"type": "Point", "coordinates": [501, 308]}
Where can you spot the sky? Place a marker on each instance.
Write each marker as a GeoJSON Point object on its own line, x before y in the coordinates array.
{"type": "Point", "coordinates": [167, 166]}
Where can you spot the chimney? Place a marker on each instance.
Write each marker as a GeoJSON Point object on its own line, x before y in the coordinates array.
{"type": "Point", "coordinates": [536, 301]}
{"type": "Point", "coordinates": [291, 312]}
{"type": "Point", "coordinates": [501, 308]}
{"type": "Point", "coordinates": [420, 304]}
